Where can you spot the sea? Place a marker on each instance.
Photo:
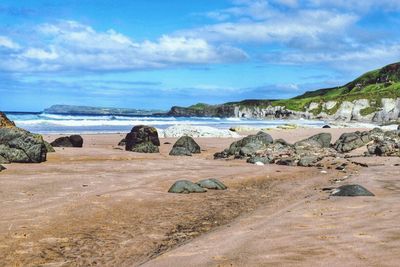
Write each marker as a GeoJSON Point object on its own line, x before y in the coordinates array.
{"type": "Point", "coordinates": [83, 124]}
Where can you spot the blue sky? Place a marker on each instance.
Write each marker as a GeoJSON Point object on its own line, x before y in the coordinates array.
{"type": "Point", "coordinates": [155, 54]}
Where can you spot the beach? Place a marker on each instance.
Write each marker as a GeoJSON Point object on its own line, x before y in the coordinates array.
{"type": "Point", "coordinates": [101, 205]}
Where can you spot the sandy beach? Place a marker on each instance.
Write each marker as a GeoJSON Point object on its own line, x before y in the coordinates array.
{"type": "Point", "coordinates": [102, 206]}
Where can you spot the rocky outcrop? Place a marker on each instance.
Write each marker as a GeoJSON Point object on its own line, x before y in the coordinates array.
{"type": "Point", "coordinates": [385, 144]}
{"type": "Point", "coordinates": [185, 146]}
{"type": "Point", "coordinates": [212, 183]}
{"type": "Point", "coordinates": [68, 141]}
{"type": "Point", "coordinates": [18, 145]}
{"type": "Point", "coordinates": [350, 141]}
{"type": "Point", "coordinates": [5, 122]}
{"type": "Point", "coordinates": [205, 111]}
{"type": "Point", "coordinates": [142, 139]}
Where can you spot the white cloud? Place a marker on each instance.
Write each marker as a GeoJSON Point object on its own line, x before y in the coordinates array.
{"type": "Point", "coordinates": [8, 43]}
{"type": "Point", "coordinates": [70, 45]}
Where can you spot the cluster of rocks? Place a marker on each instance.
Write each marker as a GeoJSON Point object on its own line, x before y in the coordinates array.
{"type": "Point", "coordinates": [186, 186]}
{"type": "Point", "coordinates": [144, 139]}
{"type": "Point", "coordinates": [262, 149]}
{"type": "Point", "coordinates": [68, 141]}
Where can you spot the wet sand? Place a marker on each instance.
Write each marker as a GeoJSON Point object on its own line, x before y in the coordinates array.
{"type": "Point", "coordinates": [100, 205]}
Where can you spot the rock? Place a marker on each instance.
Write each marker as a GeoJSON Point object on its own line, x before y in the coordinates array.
{"type": "Point", "coordinates": [185, 146]}
{"type": "Point", "coordinates": [49, 147]}
{"type": "Point", "coordinates": [286, 161]}
{"type": "Point", "coordinates": [196, 131]}
{"type": "Point", "coordinates": [398, 127]}
{"type": "Point", "coordinates": [212, 184]}
{"type": "Point", "coordinates": [122, 142]}
{"type": "Point", "coordinates": [18, 145]}
{"type": "Point", "coordinates": [142, 139]}
{"type": "Point", "coordinates": [255, 159]}
{"type": "Point", "coordinates": [353, 190]}
{"type": "Point", "coordinates": [326, 126]}
{"type": "Point", "coordinates": [308, 161]}
{"type": "Point", "coordinates": [385, 144]}
{"type": "Point", "coordinates": [2, 168]}
{"type": "Point", "coordinates": [322, 140]}
{"type": "Point", "coordinates": [350, 141]}
{"type": "Point", "coordinates": [3, 160]}
{"type": "Point", "coordinates": [147, 147]}
{"type": "Point", "coordinates": [5, 122]}
{"type": "Point", "coordinates": [186, 187]}
{"type": "Point", "coordinates": [249, 145]}
{"type": "Point", "coordinates": [68, 141]}
{"type": "Point", "coordinates": [258, 163]}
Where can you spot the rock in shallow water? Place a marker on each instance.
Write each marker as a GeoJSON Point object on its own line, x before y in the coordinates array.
{"type": "Point", "coordinates": [212, 184]}
{"type": "Point", "coordinates": [353, 190]}
{"type": "Point", "coordinates": [185, 146]}
{"type": "Point", "coordinates": [186, 187]}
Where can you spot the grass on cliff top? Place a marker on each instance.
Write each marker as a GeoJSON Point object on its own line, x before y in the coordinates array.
{"type": "Point", "coordinates": [373, 92]}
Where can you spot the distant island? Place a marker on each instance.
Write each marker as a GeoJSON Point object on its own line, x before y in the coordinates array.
{"type": "Point", "coordinates": [373, 97]}
{"type": "Point", "coordinates": [85, 110]}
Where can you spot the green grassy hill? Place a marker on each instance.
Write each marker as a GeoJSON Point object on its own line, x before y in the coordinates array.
{"type": "Point", "coordinates": [373, 85]}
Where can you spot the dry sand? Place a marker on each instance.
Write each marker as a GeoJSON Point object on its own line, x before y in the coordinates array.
{"type": "Point", "coordinates": [99, 205]}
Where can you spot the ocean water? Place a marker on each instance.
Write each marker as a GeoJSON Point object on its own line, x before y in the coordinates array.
{"type": "Point", "coordinates": [55, 124]}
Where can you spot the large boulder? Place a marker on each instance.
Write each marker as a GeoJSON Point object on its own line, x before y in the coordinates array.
{"type": "Point", "coordinates": [350, 141]}
{"type": "Point", "coordinates": [352, 190]}
{"type": "Point", "coordinates": [185, 146]}
{"type": "Point", "coordinates": [5, 122]}
{"type": "Point", "coordinates": [186, 187]}
{"type": "Point", "coordinates": [18, 145]}
{"type": "Point", "coordinates": [68, 141]}
{"type": "Point", "coordinates": [321, 140]}
{"type": "Point", "coordinates": [247, 147]}
{"type": "Point", "coordinates": [142, 139]}
{"type": "Point", "coordinates": [386, 144]}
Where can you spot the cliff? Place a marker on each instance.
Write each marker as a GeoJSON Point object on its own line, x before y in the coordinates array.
{"type": "Point", "coordinates": [372, 97]}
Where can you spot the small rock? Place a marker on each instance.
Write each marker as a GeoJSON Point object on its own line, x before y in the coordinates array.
{"type": "Point", "coordinates": [212, 184]}
{"type": "Point", "coordinates": [259, 163]}
{"type": "Point", "coordinates": [185, 146]}
{"type": "Point", "coordinates": [324, 172]}
{"type": "Point", "coordinates": [326, 126]}
{"type": "Point", "coordinates": [255, 159]}
{"type": "Point", "coordinates": [68, 141]}
{"type": "Point", "coordinates": [167, 143]}
{"type": "Point", "coordinates": [353, 190]}
{"type": "Point", "coordinates": [186, 187]}
{"type": "Point", "coordinates": [2, 168]}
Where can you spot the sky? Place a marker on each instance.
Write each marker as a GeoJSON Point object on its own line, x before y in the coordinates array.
{"type": "Point", "coordinates": [154, 54]}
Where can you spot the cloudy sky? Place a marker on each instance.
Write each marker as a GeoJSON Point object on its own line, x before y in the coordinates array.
{"type": "Point", "coordinates": [157, 53]}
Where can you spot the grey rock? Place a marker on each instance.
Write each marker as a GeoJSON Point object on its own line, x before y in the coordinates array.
{"type": "Point", "coordinates": [142, 139]}
{"type": "Point", "coordinates": [212, 184]}
{"type": "Point", "coordinates": [49, 147]}
{"type": "Point", "coordinates": [353, 190]}
{"type": "Point", "coordinates": [350, 141]}
{"type": "Point", "coordinates": [4, 160]}
{"type": "Point", "coordinates": [18, 145]}
{"type": "Point", "coordinates": [287, 161]}
{"type": "Point", "coordinates": [146, 147]}
{"type": "Point", "coordinates": [186, 187]}
{"type": "Point", "coordinates": [2, 168]}
{"type": "Point", "coordinates": [250, 145]}
{"type": "Point", "coordinates": [321, 140]}
{"type": "Point", "coordinates": [185, 146]}
{"type": "Point", "coordinates": [262, 159]}
{"type": "Point", "coordinates": [308, 161]}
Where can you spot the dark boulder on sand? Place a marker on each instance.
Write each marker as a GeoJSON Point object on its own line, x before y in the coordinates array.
{"type": "Point", "coordinates": [353, 190]}
{"type": "Point", "coordinates": [212, 184]}
{"type": "Point", "coordinates": [18, 145]}
{"type": "Point", "coordinates": [68, 141]}
{"type": "Point", "coordinates": [350, 141]}
{"type": "Point", "coordinates": [326, 127]}
{"type": "Point", "coordinates": [2, 168]}
{"type": "Point", "coordinates": [142, 139]}
{"type": "Point", "coordinates": [185, 146]}
{"type": "Point", "coordinates": [186, 187]}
